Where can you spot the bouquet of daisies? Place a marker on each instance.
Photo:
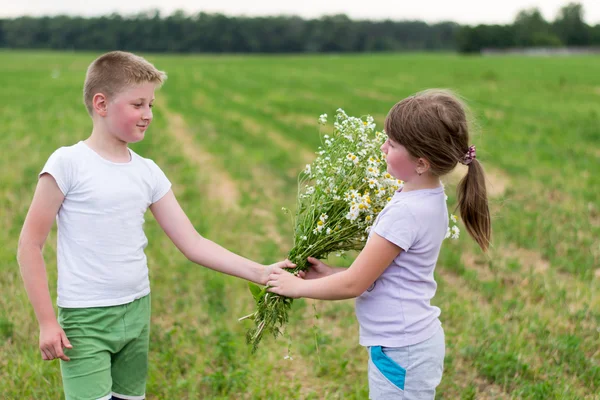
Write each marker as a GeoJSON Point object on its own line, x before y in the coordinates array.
{"type": "Point", "coordinates": [339, 196]}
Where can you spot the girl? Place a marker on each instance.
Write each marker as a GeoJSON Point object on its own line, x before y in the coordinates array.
{"type": "Point", "coordinates": [392, 278]}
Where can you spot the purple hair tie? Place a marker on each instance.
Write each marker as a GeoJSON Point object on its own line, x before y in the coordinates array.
{"type": "Point", "coordinates": [469, 157]}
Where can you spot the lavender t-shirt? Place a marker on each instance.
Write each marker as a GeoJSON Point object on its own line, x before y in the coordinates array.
{"type": "Point", "coordinates": [396, 311]}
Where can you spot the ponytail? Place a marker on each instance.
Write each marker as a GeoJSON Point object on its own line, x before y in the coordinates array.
{"type": "Point", "coordinates": [433, 124]}
{"type": "Point", "coordinates": [473, 205]}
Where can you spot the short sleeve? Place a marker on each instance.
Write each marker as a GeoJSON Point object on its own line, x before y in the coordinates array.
{"type": "Point", "coordinates": [162, 185]}
{"type": "Point", "coordinates": [60, 167]}
{"type": "Point", "coordinates": [397, 225]}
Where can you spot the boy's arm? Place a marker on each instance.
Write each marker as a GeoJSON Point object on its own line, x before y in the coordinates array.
{"type": "Point", "coordinates": [177, 226]}
{"type": "Point", "coordinates": [45, 205]}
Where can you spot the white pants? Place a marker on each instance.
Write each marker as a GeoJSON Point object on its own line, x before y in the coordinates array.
{"type": "Point", "coordinates": [407, 373]}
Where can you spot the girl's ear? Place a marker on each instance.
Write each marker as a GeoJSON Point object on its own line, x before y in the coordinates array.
{"type": "Point", "coordinates": [423, 165]}
{"type": "Point", "coordinates": [100, 104]}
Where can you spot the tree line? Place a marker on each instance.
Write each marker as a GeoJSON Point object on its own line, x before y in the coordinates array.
{"type": "Point", "coordinates": [530, 29]}
{"type": "Point", "coordinates": [217, 33]}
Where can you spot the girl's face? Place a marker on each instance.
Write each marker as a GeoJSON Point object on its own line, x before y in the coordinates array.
{"type": "Point", "coordinates": [129, 113]}
{"type": "Point", "coordinates": [400, 164]}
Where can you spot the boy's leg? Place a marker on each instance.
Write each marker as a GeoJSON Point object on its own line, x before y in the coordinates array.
{"type": "Point", "coordinates": [130, 364]}
{"type": "Point", "coordinates": [87, 375]}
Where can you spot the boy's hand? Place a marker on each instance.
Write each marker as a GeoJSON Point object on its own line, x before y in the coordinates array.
{"type": "Point", "coordinates": [318, 269]}
{"type": "Point", "coordinates": [52, 342]}
{"type": "Point", "coordinates": [286, 284]}
{"type": "Point", "coordinates": [269, 268]}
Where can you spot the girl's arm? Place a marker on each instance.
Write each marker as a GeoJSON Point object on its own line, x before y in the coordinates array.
{"type": "Point", "coordinates": [196, 248]}
{"type": "Point", "coordinates": [318, 269]}
{"type": "Point", "coordinates": [377, 255]}
{"type": "Point", "coordinates": [45, 205]}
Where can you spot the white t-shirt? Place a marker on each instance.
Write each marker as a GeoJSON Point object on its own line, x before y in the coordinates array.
{"type": "Point", "coordinates": [101, 241]}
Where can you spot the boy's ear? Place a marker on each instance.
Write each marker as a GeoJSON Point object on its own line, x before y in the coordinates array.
{"type": "Point", "coordinates": [100, 104]}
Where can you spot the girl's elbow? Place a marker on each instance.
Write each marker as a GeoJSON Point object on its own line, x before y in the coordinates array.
{"type": "Point", "coordinates": [360, 287]}
{"type": "Point", "coordinates": [352, 287]}
{"type": "Point", "coordinates": [355, 290]}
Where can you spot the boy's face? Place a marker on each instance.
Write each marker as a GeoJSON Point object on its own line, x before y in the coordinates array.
{"type": "Point", "coordinates": [129, 113]}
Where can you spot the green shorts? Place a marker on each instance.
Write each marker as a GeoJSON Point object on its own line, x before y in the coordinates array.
{"type": "Point", "coordinates": [110, 351]}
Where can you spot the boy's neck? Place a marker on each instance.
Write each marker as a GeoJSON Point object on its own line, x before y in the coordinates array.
{"type": "Point", "coordinates": [108, 146]}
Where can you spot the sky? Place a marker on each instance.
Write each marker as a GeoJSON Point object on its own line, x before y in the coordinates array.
{"type": "Point", "coordinates": [462, 11]}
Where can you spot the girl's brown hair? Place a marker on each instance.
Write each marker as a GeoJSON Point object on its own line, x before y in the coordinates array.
{"type": "Point", "coordinates": [433, 125]}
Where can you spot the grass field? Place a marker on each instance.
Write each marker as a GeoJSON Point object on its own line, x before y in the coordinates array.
{"type": "Point", "coordinates": [232, 132]}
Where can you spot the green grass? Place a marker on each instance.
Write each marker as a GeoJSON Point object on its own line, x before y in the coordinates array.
{"type": "Point", "coordinates": [523, 322]}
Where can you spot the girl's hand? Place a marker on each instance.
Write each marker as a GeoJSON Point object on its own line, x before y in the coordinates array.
{"type": "Point", "coordinates": [52, 342]}
{"type": "Point", "coordinates": [318, 269]}
{"type": "Point", "coordinates": [269, 269]}
{"type": "Point", "coordinates": [286, 284]}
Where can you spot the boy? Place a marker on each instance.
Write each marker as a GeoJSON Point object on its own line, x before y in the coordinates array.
{"type": "Point", "coordinates": [98, 190]}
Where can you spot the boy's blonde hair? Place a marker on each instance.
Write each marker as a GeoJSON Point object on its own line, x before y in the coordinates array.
{"type": "Point", "coordinates": [116, 71]}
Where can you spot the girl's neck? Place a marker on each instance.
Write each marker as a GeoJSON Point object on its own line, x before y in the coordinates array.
{"type": "Point", "coordinates": [422, 182]}
{"type": "Point", "coordinates": [108, 146]}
